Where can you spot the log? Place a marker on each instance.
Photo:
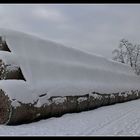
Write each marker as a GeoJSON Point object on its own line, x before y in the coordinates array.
{"type": "Point", "coordinates": [56, 106]}
{"type": "Point", "coordinates": [4, 46]}
{"type": "Point", "coordinates": [14, 72]}
{"type": "Point", "coordinates": [5, 107]}
{"type": "Point", "coordinates": [10, 72]}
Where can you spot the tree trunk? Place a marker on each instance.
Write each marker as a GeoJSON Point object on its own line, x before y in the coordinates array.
{"type": "Point", "coordinates": [57, 106]}
{"type": "Point", "coordinates": [10, 72]}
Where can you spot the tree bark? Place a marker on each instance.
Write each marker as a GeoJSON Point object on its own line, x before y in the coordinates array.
{"type": "Point", "coordinates": [57, 106]}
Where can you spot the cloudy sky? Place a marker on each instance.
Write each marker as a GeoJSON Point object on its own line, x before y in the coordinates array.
{"type": "Point", "coordinates": [91, 27]}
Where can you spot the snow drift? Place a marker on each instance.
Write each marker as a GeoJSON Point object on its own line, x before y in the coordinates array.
{"type": "Point", "coordinates": [61, 71]}
{"type": "Point", "coordinates": [56, 70]}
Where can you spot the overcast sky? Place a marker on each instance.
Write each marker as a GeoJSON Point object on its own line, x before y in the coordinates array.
{"type": "Point", "coordinates": [92, 27]}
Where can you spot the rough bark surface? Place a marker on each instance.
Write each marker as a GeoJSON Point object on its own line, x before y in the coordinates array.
{"type": "Point", "coordinates": [57, 106]}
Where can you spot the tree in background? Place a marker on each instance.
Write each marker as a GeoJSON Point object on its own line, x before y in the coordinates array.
{"type": "Point", "coordinates": [128, 53]}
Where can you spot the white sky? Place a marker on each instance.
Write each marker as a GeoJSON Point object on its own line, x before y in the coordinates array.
{"type": "Point", "coordinates": [92, 27]}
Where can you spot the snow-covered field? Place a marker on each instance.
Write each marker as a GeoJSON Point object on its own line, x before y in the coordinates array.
{"type": "Point", "coordinates": [118, 119]}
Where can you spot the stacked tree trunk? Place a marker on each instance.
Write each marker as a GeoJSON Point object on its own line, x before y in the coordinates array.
{"type": "Point", "coordinates": [8, 71]}
{"type": "Point", "coordinates": [30, 112]}
{"type": "Point", "coordinates": [54, 106]}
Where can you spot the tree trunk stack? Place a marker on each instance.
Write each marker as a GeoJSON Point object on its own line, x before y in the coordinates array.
{"type": "Point", "coordinates": [54, 106]}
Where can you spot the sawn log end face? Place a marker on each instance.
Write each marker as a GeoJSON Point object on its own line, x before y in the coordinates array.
{"type": "Point", "coordinates": [5, 107]}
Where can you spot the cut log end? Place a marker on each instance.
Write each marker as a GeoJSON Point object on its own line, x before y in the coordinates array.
{"type": "Point", "coordinates": [5, 108]}
{"type": "Point", "coordinates": [14, 72]}
{"type": "Point", "coordinates": [10, 71]}
{"type": "Point", "coordinates": [4, 47]}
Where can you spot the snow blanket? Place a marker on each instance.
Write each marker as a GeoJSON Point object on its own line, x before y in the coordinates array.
{"type": "Point", "coordinates": [60, 70]}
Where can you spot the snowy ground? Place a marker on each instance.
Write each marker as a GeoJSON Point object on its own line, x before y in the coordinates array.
{"type": "Point", "coordinates": [118, 119]}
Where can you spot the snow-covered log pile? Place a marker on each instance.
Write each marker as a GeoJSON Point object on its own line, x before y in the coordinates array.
{"type": "Point", "coordinates": [40, 79]}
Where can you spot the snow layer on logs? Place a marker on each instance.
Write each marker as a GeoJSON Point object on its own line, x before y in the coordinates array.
{"type": "Point", "coordinates": [56, 70]}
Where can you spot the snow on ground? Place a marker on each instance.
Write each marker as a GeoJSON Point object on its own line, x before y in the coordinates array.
{"type": "Point", "coordinates": [118, 119]}
{"type": "Point", "coordinates": [60, 71]}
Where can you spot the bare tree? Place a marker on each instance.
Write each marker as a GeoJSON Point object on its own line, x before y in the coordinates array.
{"type": "Point", "coordinates": [129, 54]}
